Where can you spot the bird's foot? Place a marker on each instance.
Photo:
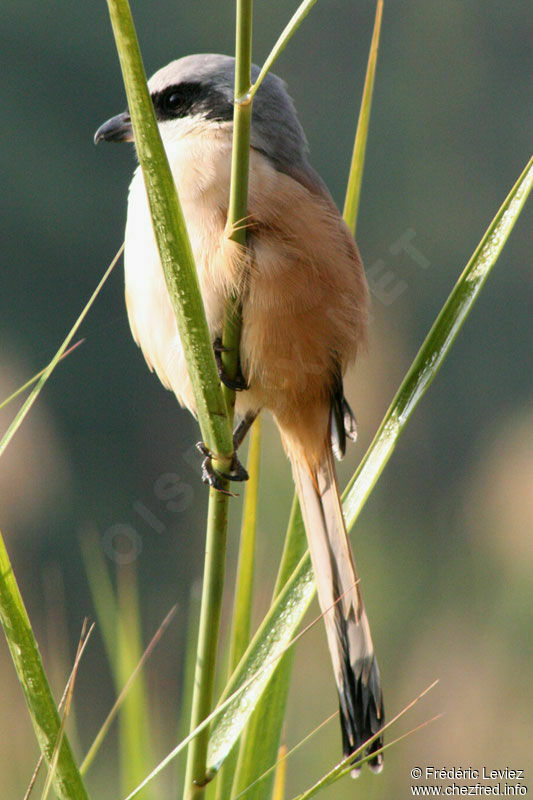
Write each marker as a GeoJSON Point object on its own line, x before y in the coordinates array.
{"type": "Point", "coordinates": [215, 478]}
{"type": "Point", "coordinates": [236, 384]}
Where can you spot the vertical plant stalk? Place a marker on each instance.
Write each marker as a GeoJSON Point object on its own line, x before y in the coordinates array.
{"type": "Point", "coordinates": [266, 722]}
{"type": "Point", "coordinates": [28, 664]}
{"type": "Point", "coordinates": [238, 200]}
{"type": "Point", "coordinates": [242, 609]}
{"type": "Point", "coordinates": [196, 773]}
{"type": "Point", "coordinates": [355, 178]}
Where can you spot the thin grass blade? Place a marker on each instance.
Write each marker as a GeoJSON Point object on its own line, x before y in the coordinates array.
{"type": "Point", "coordinates": [59, 707]}
{"type": "Point", "coordinates": [84, 638]}
{"type": "Point", "coordinates": [30, 400]}
{"type": "Point", "coordinates": [284, 755]}
{"type": "Point", "coordinates": [355, 178]}
{"type": "Point", "coordinates": [346, 764]}
{"type": "Point", "coordinates": [288, 609]}
{"type": "Point", "coordinates": [102, 592]}
{"type": "Point", "coordinates": [102, 733]}
{"type": "Point", "coordinates": [35, 378]}
{"type": "Point", "coordinates": [242, 611]}
{"type": "Point", "coordinates": [187, 684]}
{"type": "Point", "coordinates": [286, 35]}
{"type": "Point", "coordinates": [345, 767]}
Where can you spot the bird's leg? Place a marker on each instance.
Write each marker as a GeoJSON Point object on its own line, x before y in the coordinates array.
{"type": "Point", "coordinates": [214, 477]}
{"type": "Point", "coordinates": [236, 384]}
{"type": "Point", "coordinates": [239, 434]}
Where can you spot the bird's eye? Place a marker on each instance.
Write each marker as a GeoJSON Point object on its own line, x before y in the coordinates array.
{"type": "Point", "coordinates": [173, 101]}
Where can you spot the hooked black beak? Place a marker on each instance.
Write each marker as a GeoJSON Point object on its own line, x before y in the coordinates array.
{"type": "Point", "coordinates": [116, 129]}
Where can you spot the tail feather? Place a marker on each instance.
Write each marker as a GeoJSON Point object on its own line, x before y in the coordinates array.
{"type": "Point", "coordinates": [348, 633]}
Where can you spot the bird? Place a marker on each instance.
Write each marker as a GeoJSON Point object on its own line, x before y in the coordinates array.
{"type": "Point", "coordinates": [304, 299]}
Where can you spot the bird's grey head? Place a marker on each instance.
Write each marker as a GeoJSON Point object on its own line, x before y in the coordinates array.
{"type": "Point", "coordinates": [200, 88]}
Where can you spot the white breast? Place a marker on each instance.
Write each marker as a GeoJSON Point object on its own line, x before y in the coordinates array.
{"type": "Point", "coordinates": [200, 163]}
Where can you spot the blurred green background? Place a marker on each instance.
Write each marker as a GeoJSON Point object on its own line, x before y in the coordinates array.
{"type": "Point", "coordinates": [444, 544]}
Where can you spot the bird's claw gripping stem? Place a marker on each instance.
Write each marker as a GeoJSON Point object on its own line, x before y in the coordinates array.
{"type": "Point", "coordinates": [236, 384]}
{"type": "Point", "coordinates": [214, 478]}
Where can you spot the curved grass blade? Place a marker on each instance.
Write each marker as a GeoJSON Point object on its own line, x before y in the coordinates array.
{"type": "Point", "coordinates": [29, 667]}
{"type": "Point", "coordinates": [287, 611]}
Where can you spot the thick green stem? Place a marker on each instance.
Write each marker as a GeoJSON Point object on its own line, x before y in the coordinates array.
{"type": "Point", "coordinates": [242, 607]}
{"type": "Point", "coordinates": [240, 160]}
{"type": "Point", "coordinates": [173, 242]}
{"type": "Point", "coordinates": [204, 677]}
{"type": "Point", "coordinates": [27, 660]}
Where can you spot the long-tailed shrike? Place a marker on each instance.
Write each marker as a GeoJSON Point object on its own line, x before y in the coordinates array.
{"type": "Point", "coordinates": [304, 317]}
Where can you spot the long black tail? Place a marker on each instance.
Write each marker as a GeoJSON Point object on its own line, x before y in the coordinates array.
{"type": "Point", "coordinates": [350, 643]}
